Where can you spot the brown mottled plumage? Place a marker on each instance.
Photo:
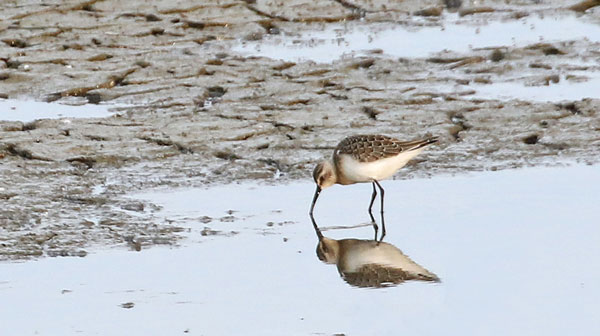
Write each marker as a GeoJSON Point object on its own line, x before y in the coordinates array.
{"type": "Point", "coordinates": [375, 276]}
{"type": "Point", "coordinates": [368, 263]}
{"type": "Point", "coordinates": [369, 148]}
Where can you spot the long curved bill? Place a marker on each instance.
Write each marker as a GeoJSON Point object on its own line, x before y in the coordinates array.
{"type": "Point", "coordinates": [312, 218]}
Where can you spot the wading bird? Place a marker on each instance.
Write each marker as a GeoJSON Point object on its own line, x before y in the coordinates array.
{"type": "Point", "coordinates": [366, 158]}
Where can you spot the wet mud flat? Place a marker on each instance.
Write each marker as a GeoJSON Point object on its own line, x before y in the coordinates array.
{"type": "Point", "coordinates": [194, 111]}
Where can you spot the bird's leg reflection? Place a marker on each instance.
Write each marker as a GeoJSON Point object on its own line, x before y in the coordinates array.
{"type": "Point", "coordinates": [382, 219]}
{"type": "Point", "coordinates": [373, 195]}
{"type": "Point", "coordinates": [370, 263]}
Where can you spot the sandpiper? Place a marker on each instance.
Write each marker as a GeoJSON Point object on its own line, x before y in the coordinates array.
{"type": "Point", "coordinates": [369, 263]}
{"type": "Point", "coordinates": [366, 158]}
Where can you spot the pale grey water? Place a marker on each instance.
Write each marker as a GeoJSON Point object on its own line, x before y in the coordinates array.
{"type": "Point", "coordinates": [29, 110]}
{"type": "Point", "coordinates": [517, 252]}
{"type": "Point", "coordinates": [453, 34]}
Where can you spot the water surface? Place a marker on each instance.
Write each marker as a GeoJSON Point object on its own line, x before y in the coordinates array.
{"type": "Point", "coordinates": [516, 252]}
{"type": "Point", "coordinates": [29, 110]}
{"type": "Point", "coordinates": [335, 41]}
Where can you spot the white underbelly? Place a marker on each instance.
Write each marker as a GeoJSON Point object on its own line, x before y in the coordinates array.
{"type": "Point", "coordinates": [376, 170]}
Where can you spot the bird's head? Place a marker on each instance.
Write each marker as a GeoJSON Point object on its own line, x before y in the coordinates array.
{"type": "Point", "coordinates": [328, 250]}
{"type": "Point", "coordinates": [324, 174]}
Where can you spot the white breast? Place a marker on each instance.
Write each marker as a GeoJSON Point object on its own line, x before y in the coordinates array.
{"type": "Point", "coordinates": [377, 170]}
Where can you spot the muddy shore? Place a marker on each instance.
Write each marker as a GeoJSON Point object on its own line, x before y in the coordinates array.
{"type": "Point", "coordinates": [193, 113]}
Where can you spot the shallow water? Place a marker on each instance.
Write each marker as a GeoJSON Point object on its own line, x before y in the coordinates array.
{"type": "Point", "coordinates": [29, 110]}
{"type": "Point", "coordinates": [516, 252]}
{"type": "Point", "coordinates": [335, 41]}
{"type": "Point", "coordinates": [553, 92]}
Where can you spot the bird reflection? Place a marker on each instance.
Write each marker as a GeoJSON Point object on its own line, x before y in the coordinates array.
{"type": "Point", "coordinates": [370, 263]}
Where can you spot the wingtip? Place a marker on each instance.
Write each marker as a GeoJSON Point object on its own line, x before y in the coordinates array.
{"type": "Point", "coordinates": [429, 277]}
{"type": "Point", "coordinates": [433, 139]}
{"type": "Point", "coordinates": [423, 143]}
{"type": "Point", "coordinates": [427, 141]}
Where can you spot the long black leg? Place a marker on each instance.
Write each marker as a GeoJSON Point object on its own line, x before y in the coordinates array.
{"type": "Point", "coordinates": [373, 195]}
{"type": "Point", "coordinates": [381, 191]}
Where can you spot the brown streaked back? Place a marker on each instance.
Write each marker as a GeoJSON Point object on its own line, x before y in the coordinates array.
{"type": "Point", "coordinates": [374, 275]}
{"type": "Point", "coordinates": [369, 148]}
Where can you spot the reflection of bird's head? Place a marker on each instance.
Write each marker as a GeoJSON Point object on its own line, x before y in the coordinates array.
{"type": "Point", "coordinates": [324, 174]}
{"type": "Point", "coordinates": [328, 250]}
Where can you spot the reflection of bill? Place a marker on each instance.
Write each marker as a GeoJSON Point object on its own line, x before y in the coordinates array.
{"type": "Point", "coordinates": [368, 263]}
